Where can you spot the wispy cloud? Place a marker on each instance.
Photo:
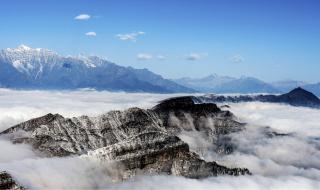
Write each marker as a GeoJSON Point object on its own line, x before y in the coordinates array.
{"type": "Point", "coordinates": [161, 57]}
{"type": "Point", "coordinates": [144, 56]}
{"type": "Point", "coordinates": [237, 58]}
{"type": "Point", "coordinates": [91, 34]}
{"type": "Point", "coordinates": [195, 56]}
{"type": "Point", "coordinates": [130, 36]}
{"type": "Point", "coordinates": [82, 17]}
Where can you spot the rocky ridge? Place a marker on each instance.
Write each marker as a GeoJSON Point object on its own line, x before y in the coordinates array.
{"type": "Point", "coordinates": [140, 140]}
{"type": "Point", "coordinates": [8, 183]}
{"type": "Point", "coordinates": [296, 97]}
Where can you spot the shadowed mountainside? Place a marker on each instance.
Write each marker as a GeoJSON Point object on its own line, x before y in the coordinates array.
{"type": "Point", "coordinates": [296, 97]}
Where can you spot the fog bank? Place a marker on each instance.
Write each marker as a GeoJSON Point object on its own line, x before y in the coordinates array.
{"type": "Point", "coordinates": [281, 162]}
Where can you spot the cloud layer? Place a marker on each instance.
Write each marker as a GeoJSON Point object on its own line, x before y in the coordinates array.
{"type": "Point", "coordinates": [284, 162]}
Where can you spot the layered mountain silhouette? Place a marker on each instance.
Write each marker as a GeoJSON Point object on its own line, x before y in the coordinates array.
{"type": "Point", "coordinates": [225, 84]}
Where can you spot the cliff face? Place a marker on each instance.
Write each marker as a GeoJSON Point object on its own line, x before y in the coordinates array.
{"type": "Point", "coordinates": [141, 141]}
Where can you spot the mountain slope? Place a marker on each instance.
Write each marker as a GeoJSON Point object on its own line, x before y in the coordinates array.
{"type": "Point", "coordinates": [206, 84]}
{"type": "Point", "coordinates": [137, 141]}
{"type": "Point", "coordinates": [287, 85]}
{"type": "Point", "coordinates": [296, 97]}
{"type": "Point", "coordinates": [315, 88]}
{"type": "Point", "coordinates": [245, 85]}
{"type": "Point", "coordinates": [29, 68]}
{"type": "Point", "coordinates": [224, 84]}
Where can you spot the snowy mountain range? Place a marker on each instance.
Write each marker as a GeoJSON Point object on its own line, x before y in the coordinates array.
{"type": "Point", "coordinates": [35, 68]}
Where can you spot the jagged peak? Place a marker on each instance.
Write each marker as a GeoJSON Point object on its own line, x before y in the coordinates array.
{"type": "Point", "coordinates": [25, 48]}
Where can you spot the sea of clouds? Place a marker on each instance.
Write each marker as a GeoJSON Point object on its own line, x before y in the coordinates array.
{"type": "Point", "coordinates": [281, 162]}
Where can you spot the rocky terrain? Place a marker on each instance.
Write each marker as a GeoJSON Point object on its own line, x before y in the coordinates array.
{"type": "Point", "coordinates": [138, 140]}
{"type": "Point", "coordinates": [296, 97]}
{"type": "Point", "coordinates": [7, 182]}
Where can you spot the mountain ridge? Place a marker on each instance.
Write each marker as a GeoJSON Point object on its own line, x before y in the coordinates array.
{"type": "Point", "coordinates": [29, 68]}
{"type": "Point", "coordinates": [138, 141]}
{"type": "Point", "coordinates": [296, 97]}
{"type": "Point", "coordinates": [224, 84]}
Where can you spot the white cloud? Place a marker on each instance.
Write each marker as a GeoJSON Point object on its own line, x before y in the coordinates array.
{"type": "Point", "coordinates": [144, 56]}
{"type": "Point", "coordinates": [237, 59]}
{"type": "Point", "coordinates": [195, 56]}
{"type": "Point", "coordinates": [91, 34]}
{"type": "Point", "coordinates": [221, 182]}
{"type": "Point", "coordinates": [161, 57]}
{"type": "Point", "coordinates": [280, 163]}
{"type": "Point", "coordinates": [130, 36]}
{"type": "Point", "coordinates": [19, 106]}
{"type": "Point", "coordinates": [82, 17]}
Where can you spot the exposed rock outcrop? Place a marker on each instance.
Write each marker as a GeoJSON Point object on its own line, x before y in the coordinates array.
{"type": "Point", "coordinates": [8, 183]}
{"type": "Point", "coordinates": [158, 153]}
{"type": "Point", "coordinates": [143, 141]}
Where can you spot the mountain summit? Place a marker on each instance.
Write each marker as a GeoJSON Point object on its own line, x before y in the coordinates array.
{"type": "Point", "coordinates": [36, 68]}
{"type": "Point", "coordinates": [300, 96]}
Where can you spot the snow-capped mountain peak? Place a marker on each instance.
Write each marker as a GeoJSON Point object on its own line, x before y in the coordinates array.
{"type": "Point", "coordinates": [24, 47]}
{"type": "Point", "coordinates": [29, 60]}
{"type": "Point", "coordinates": [27, 67]}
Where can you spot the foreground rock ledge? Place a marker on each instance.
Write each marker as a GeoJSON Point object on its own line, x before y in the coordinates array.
{"type": "Point", "coordinates": [141, 141]}
{"type": "Point", "coordinates": [8, 183]}
{"type": "Point", "coordinates": [157, 153]}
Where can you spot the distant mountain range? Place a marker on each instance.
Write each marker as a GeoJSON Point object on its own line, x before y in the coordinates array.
{"type": "Point", "coordinates": [224, 84]}
{"type": "Point", "coordinates": [36, 68]}
{"type": "Point", "coordinates": [296, 97]}
{"type": "Point", "coordinates": [29, 68]}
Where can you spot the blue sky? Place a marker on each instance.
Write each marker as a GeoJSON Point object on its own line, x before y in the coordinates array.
{"type": "Point", "coordinates": [268, 39]}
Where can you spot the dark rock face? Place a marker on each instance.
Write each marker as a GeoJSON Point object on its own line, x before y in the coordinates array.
{"type": "Point", "coordinates": [296, 97]}
{"type": "Point", "coordinates": [143, 141]}
{"type": "Point", "coordinates": [8, 183]}
{"type": "Point", "coordinates": [207, 119]}
{"type": "Point", "coordinates": [162, 154]}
